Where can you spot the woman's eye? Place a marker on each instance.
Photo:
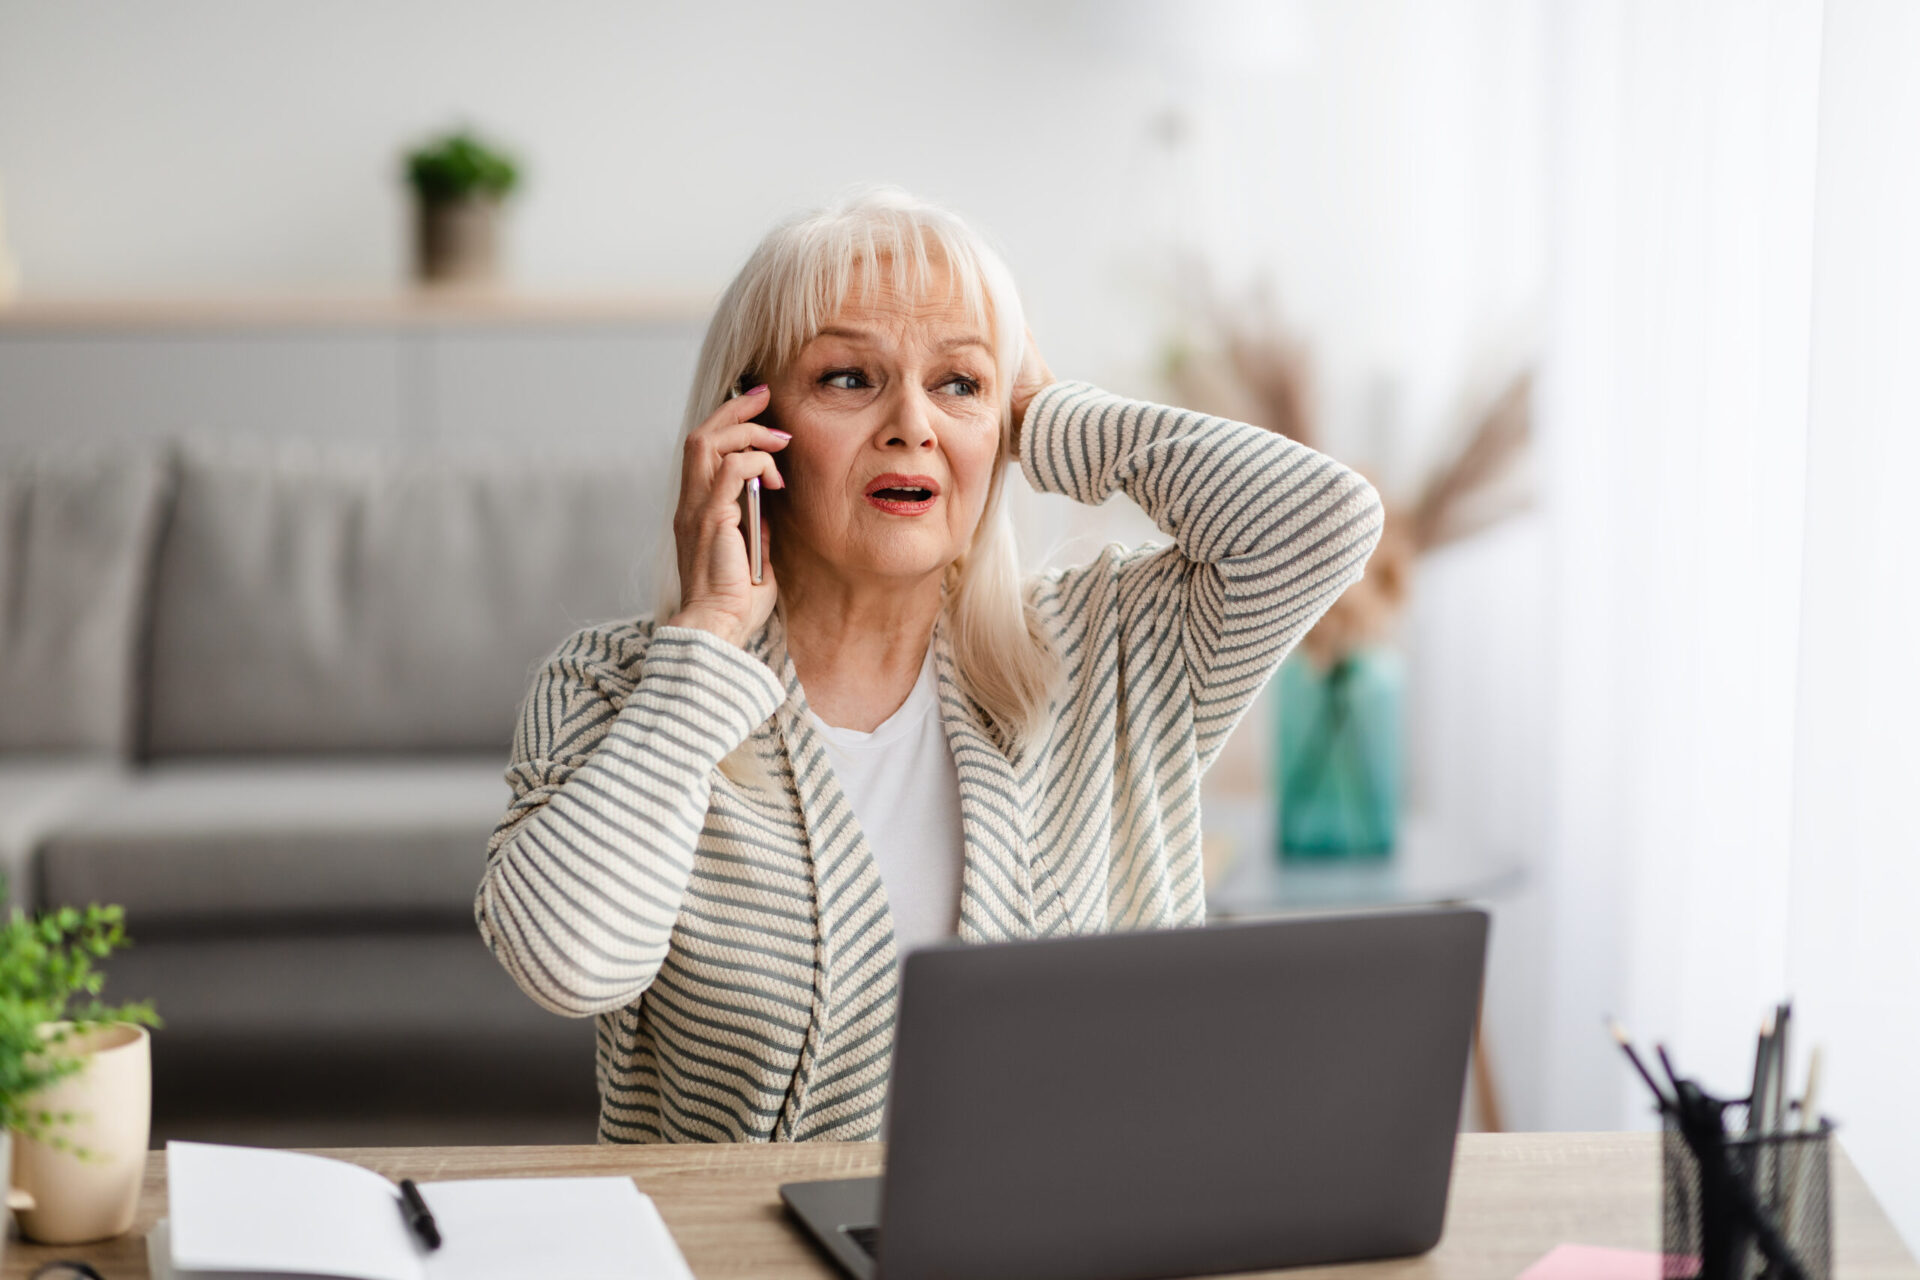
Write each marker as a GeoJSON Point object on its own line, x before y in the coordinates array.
{"type": "Point", "coordinates": [963, 385]}
{"type": "Point", "coordinates": [844, 380]}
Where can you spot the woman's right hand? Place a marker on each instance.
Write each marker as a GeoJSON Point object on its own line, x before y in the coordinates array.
{"type": "Point", "coordinates": [717, 592]}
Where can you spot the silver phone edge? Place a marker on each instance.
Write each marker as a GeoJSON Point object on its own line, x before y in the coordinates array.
{"type": "Point", "coordinates": [753, 527]}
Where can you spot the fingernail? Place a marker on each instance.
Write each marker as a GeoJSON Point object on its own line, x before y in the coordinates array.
{"type": "Point", "coordinates": [754, 391]}
{"type": "Point", "coordinates": [784, 435]}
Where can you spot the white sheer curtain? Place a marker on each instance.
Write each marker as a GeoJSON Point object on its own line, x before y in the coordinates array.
{"type": "Point", "coordinates": [1854, 917]}
{"type": "Point", "coordinates": [1730, 445]}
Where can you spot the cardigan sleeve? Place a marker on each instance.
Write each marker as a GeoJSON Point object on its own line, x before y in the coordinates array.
{"type": "Point", "coordinates": [611, 778]}
{"type": "Point", "coordinates": [1266, 533]}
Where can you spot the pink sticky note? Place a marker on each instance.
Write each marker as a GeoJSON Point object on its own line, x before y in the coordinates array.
{"type": "Point", "coordinates": [1590, 1262]}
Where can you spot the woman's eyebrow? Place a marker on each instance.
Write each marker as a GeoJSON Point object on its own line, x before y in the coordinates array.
{"type": "Point", "coordinates": [860, 335]}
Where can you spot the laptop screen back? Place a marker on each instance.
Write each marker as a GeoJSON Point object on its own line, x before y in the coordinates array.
{"type": "Point", "coordinates": [1171, 1103]}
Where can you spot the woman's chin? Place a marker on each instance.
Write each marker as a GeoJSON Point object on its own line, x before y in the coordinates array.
{"type": "Point", "coordinates": [902, 565]}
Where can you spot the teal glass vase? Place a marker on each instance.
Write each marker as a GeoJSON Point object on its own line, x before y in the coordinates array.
{"type": "Point", "coordinates": [1337, 770]}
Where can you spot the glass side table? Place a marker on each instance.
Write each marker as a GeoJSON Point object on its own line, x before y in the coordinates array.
{"type": "Point", "coordinates": [1428, 867]}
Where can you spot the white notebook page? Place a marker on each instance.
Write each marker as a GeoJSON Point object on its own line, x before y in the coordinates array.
{"type": "Point", "coordinates": [251, 1210]}
{"type": "Point", "coordinates": [563, 1228]}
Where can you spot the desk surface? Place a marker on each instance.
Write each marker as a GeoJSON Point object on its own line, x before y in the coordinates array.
{"type": "Point", "coordinates": [1514, 1197]}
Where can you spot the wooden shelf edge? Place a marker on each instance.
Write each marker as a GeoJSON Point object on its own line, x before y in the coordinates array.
{"type": "Point", "coordinates": [424, 307]}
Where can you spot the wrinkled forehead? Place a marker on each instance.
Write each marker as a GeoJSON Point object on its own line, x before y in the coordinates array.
{"type": "Point", "coordinates": [879, 302]}
{"type": "Point", "coordinates": [891, 289]}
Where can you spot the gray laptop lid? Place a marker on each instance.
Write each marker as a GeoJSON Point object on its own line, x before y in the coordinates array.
{"type": "Point", "coordinates": [1173, 1103]}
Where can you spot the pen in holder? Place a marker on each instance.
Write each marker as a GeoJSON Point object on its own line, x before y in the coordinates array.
{"type": "Point", "coordinates": [1742, 1206]}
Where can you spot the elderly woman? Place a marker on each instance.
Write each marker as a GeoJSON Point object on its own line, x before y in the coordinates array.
{"type": "Point", "coordinates": [731, 819]}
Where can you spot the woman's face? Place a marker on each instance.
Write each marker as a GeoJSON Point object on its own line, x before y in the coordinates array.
{"type": "Point", "coordinates": [895, 416]}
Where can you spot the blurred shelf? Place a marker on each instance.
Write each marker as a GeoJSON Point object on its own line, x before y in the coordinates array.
{"type": "Point", "coordinates": [405, 308]}
{"type": "Point", "coordinates": [401, 364]}
{"type": "Point", "coordinates": [1429, 866]}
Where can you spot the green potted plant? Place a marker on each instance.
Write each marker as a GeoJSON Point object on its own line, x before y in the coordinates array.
{"type": "Point", "coordinates": [74, 1077]}
{"type": "Point", "coordinates": [458, 182]}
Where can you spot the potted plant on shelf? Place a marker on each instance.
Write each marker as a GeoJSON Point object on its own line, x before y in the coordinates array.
{"type": "Point", "coordinates": [74, 1079]}
{"type": "Point", "coordinates": [458, 184]}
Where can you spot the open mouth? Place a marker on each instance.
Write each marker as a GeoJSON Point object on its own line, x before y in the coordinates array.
{"type": "Point", "coordinates": [902, 495]}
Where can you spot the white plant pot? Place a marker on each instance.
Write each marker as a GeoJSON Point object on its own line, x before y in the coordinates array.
{"type": "Point", "coordinates": [91, 1197]}
{"type": "Point", "coordinates": [6, 1215]}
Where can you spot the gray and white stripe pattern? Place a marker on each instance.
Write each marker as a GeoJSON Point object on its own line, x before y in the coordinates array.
{"type": "Point", "coordinates": [734, 942]}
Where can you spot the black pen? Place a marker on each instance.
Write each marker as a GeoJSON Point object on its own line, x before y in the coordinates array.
{"type": "Point", "coordinates": [419, 1217]}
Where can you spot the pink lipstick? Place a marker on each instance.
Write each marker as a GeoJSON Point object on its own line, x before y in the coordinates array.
{"type": "Point", "coordinates": [903, 495]}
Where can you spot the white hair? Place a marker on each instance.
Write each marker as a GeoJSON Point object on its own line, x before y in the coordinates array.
{"type": "Point", "coordinates": [795, 282]}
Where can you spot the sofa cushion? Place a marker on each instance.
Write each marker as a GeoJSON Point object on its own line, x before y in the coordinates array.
{"type": "Point", "coordinates": [303, 1039]}
{"type": "Point", "coordinates": [320, 599]}
{"type": "Point", "coordinates": [39, 795]}
{"type": "Point", "coordinates": [397, 988]}
{"type": "Point", "coordinates": [223, 845]}
{"type": "Point", "coordinates": [77, 528]}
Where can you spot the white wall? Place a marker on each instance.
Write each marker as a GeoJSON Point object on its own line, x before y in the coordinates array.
{"type": "Point", "coordinates": [215, 144]}
{"type": "Point", "coordinates": [1373, 153]}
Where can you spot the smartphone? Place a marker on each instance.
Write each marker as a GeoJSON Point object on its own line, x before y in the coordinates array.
{"type": "Point", "coordinates": [751, 498]}
{"type": "Point", "coordinates": [753, 529]}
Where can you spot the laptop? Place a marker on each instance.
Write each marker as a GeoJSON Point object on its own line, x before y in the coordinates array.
{"type": "Point", "coordinates": [1181, 1102]}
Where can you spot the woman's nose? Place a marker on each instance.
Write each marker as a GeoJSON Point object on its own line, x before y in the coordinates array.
{"type": "Point", "coordinates": [910, 420]}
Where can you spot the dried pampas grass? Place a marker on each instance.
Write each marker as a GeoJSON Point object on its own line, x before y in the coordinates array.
{"type": "Point", "coordinates": [1251, 368]}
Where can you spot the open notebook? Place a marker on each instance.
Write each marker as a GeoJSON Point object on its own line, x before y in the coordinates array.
{"type": "Point", "coordinates": [239, 1212]}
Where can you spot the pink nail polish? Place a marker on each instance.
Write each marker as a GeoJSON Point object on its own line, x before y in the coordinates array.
{"type": "Point", "coordinates": [754, 391]}
{"type": "Point", "coordinates": [784, 435]}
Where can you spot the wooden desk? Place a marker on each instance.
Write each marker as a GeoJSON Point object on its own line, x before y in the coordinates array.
{"type": "Point", "coordinates": [1514, 1197]}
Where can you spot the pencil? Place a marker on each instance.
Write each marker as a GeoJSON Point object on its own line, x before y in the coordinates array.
{"type": "Point", "coordinates": [1620, 1034]}
{"type": "Point", "coordinates": [1666, 1065]}
{"type": "Point", "coordinates": [1762, 1059]}
{"type": "Point", "coordinates": [1810, 1100]}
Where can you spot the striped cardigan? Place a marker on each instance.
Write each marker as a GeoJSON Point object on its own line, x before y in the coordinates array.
{"type": "Point", "coordinates": [734, 941]}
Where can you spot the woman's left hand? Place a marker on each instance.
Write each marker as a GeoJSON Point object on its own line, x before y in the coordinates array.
{"type": "Point", "coordinates": [1028, 383]}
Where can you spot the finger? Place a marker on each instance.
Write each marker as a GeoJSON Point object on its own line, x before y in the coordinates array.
{"type": "Point", "coordinates": [1033, 365]}
{"type": "Point", "coordinates": [732, 437]}
{"type": "Point", "coordinates": [730, 480]}
{"type": "Point", "coordinates": [700, 469]}
{"type": "Point", "coordinates": [752, 462]}
{"type": "Point", "coordinates": [748, 404]}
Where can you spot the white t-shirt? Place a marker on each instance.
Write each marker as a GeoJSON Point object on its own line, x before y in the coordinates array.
{"type": "Point", "coordinates": [905, 792]}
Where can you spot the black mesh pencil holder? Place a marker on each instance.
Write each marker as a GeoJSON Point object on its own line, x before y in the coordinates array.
{"type": "Point", "coordinates": [1760, 1208]}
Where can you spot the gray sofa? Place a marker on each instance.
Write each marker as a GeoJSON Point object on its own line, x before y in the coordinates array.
{"type": "Point", "coordinates": [261, 695]}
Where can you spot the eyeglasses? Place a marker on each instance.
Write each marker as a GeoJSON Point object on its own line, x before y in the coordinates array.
{"type": "Point", "coordinates": [65, 1269]}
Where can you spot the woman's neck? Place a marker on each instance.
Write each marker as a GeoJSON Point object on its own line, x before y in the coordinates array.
{"type": "Point", "coordinates": [857, 647]}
